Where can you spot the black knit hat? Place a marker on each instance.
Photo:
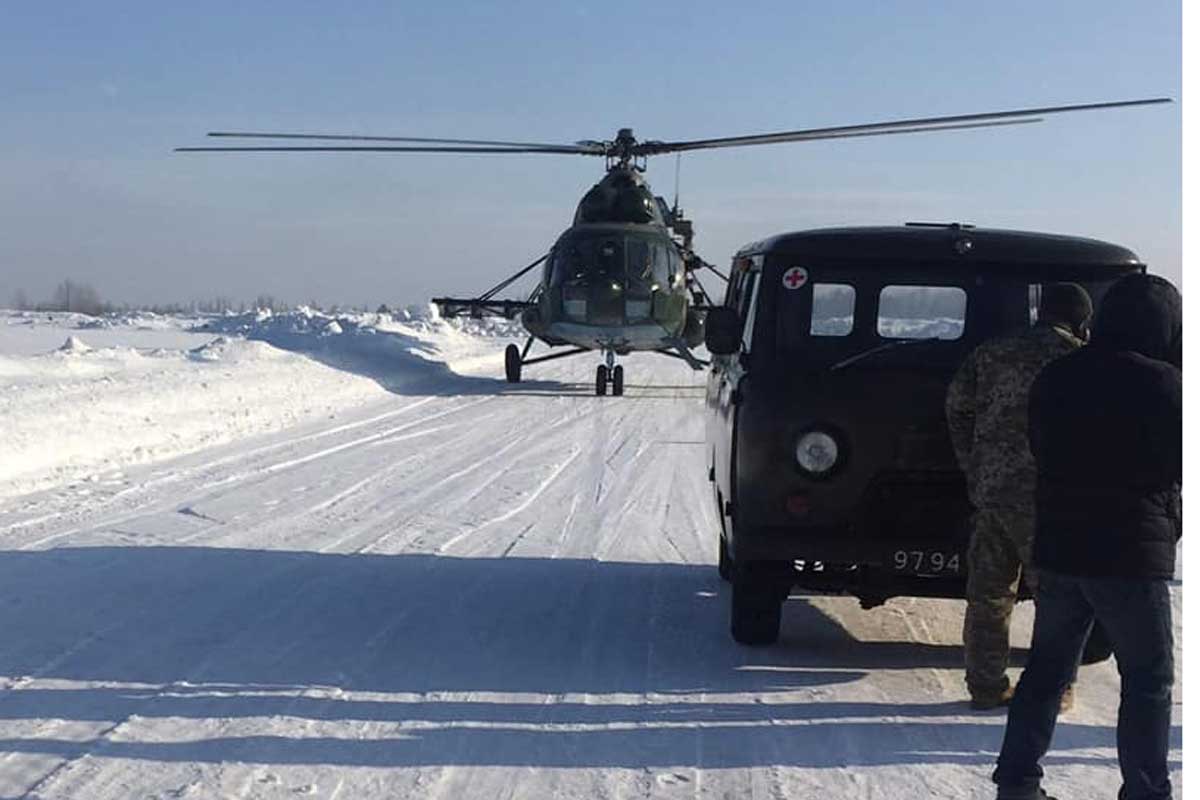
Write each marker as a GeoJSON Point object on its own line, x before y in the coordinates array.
{"type": "Point", "coordinates": [1142, 313]}
{"type": "Point", "coordinates": [1065, 302]}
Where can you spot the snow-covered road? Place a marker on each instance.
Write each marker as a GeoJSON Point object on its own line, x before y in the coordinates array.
{"type": "Point", "coordinates": [464, 589]}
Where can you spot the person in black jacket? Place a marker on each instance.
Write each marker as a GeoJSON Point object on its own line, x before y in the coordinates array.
{"type": "Point", "coordinates": [1106, 433]}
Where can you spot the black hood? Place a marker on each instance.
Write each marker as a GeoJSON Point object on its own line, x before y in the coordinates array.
{"type": "Point", "coordinates": [1144, 314]}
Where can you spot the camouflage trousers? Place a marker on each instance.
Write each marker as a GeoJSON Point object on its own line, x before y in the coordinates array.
{"type": "Point", "coordinates": [1000, 550]}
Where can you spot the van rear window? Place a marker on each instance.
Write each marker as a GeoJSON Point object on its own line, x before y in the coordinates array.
{"type": "Point", "coordinates": [921, 312]}
{"type": "Point", "coordinates": [832, 309]}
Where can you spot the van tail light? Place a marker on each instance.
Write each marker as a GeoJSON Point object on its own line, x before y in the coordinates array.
{"type": "Point", "coordinates": [798, 505]}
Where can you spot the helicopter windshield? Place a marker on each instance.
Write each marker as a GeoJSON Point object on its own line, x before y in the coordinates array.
{"type": "Point", "coordinates": [647, 263]}
{"type": "Point", "coordinates": [637, 264]}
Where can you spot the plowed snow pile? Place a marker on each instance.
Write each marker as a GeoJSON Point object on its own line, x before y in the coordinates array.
{"type": "Point", "coordinates": [94, 406]}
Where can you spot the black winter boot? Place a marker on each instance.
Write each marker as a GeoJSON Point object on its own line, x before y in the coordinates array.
{"type": "Point", "coordinates": [1040, 794]}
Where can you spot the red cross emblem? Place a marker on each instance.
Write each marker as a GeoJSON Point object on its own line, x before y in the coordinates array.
{"type": "Point", "coordinates": [795, 277]}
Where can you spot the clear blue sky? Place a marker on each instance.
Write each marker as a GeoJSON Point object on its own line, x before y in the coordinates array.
{"type": "Point", "coordinates": [96, 95]}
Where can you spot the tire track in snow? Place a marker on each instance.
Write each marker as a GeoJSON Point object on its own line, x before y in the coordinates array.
{"type": "Point", "coordinates": [539, 445]}
{"type": "Point", "coordinates": [173, 474]}
{"type": "Point", "coordinates": [165, 475]}
{"type": "Point", "coordinates": [619, 460]}
{"type": "Point", "coordinates": [397, 518]}
{"type": "Point", "coordinates": [266, 614]}
{"type": "Point", "coordinates": [108, 631]}
{"type": "Point", "coordinates": [241, 479]}
{"type": "Point", "coordinates": [533, 497]}
{"type": "Point", "coordinates": [447, 778]}
{"type": "Point", "coordinates": [81, 645]}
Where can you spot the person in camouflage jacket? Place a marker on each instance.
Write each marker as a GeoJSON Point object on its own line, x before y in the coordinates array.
{"type": "Point", "coordinates": [986, 410]}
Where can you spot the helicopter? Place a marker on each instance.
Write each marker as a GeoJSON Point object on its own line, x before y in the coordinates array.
{"type": "Point", "coordinates": [622, 277]}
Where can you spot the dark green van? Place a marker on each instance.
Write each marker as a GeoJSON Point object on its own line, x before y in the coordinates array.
{"type": "Point", "coordinates": [827, 445]}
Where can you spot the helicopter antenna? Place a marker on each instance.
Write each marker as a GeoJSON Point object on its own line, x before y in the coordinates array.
{"type": "Point", "coordinates": [675, 209]}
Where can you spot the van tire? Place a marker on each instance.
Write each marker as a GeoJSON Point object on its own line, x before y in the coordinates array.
{"type": "Point", "coordinates": [724, 561]}
{"type": "Point", "coordinates": [756, 603]}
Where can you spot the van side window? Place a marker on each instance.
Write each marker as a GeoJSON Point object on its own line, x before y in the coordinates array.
{"type": "Point", "coordinates": [921, 312]}
{"type": "Point", "coordinates": [742, 297]}
{"type": "Point", "coordinates": [749, 309]}
{"type": "Point", "coordinates": [734, 297]}
{"type": "Point", "coordinates": [832, 309]}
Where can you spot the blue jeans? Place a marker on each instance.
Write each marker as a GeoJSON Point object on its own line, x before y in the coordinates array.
{"type": "Point", "coordinates": [1136, 613]}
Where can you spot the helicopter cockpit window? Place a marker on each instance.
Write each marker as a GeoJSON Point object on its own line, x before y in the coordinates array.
{"type": "Point", "coordinates": [832, 309]}
{"type": "Point", "coordinates": [662, 265]}
{"type": "Point", "coordinates": [585, 259]}
{"type": "Point", "coordinates": [640, 261]}
{"type": "Point", "coordinates": [921, 312]}
{"type": "Point", "coordinates": [648, 266]}
{"type": "Point", "coordinates": [674, 266]}
{"type": "Point", "coordinates": [571, 264]}
{"type": "Point", "coordinates": [610, 258]}
{"type": "Point", "coordinates": [638, 265]}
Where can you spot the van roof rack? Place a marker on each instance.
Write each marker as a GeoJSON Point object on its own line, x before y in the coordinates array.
{"type": "Point", "coordinates": [954, 226]}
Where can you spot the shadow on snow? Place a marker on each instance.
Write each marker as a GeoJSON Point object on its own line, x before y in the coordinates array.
{"type": "Point", "coordinates": [220, 634]}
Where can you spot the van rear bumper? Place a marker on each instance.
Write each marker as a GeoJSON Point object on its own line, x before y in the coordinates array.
{"type": "Point", "coordinates": [844, 561]}
{"type": "Point", "coordinates": [875, 585]}
{"type": "Point", "coordinates": [837, 544]}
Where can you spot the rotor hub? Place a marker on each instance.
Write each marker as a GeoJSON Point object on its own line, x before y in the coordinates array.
{"type": "Point", "coordinates": [623, 149]}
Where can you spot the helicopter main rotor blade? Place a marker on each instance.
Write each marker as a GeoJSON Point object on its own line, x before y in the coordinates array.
{"type": "Point", "coordinates": [875, 128]}
{"type": "Point", "coordinates": [384, 149]}
{"type": "Point", "coordinates": [890, 132]}
{"type": "Point", "coordinates": [568, 148]}
{"type": "Point", "coordinates": [646, 148]}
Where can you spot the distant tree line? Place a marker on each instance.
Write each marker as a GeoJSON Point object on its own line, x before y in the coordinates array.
{"type": "Point", "coordinates": [68, 296]}
{"type": "Point", "coordinates": [83, 298]}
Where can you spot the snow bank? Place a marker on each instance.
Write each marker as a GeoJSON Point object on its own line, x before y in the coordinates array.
{"type": "Point", "coordinates": [87, 413]}
{"type": "Point", "coordinates": [85, 408]}
{"type": "Point", "coordinates": [29, 333]}
{"type": "Point", "coordinates": [418, 321]}
{"type": "Point", "coordinates": [936, 328]}
{"type": "Point", "coordinates": [136, 320]}
{"type": "Point", "coordinates": [74, 344]}
{"type": "Point", "coordinates": [415, 344]}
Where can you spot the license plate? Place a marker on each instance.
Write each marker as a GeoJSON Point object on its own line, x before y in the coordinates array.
{"type": "Point", "coordinates": [926, 562]}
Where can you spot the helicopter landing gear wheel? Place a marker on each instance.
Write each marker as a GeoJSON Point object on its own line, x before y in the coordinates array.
{"type": "Point", "coordinates": [602, 380]}
{"type": "Point", "coordinates": [512, 364]}
{"type": "Point", "coordinates": [618, 380]}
